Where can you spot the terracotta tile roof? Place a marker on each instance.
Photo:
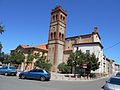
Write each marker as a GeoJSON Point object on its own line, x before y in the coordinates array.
{"type": "Point", "coordinates": [24, 46]}
{"type": "Point", "coordinates": [42, 46]}
{"type": "Point", "coordinates": [85, 35]}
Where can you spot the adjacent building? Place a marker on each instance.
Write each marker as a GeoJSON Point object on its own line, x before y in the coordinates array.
{"type": "Point", "coordinates": [26, 50]}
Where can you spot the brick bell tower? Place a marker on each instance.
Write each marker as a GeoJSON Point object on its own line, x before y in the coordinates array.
{"type": "Point", "coordinates": [57, 33]}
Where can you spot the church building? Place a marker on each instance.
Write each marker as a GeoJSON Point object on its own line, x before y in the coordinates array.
{"type": "Point", "coordinates": [58, 47]}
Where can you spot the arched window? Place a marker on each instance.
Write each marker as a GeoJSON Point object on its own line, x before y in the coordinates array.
{"type": "Point", "coordinates": [53, 18]}
{"type": "Point", "coordinates": [64, 19]}
{"type": "Point", "coordinates": [61, 17]}
{"type": "Point", "coordinates": [60, 36]}
{"type": "Point", "coordinates": [51, 36]}
{"type": "Point", "coordinates": [54, 35]}
{"type": "Point", "coordinates": [56, 17]}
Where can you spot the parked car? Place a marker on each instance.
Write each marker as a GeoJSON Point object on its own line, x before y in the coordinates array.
{"type": "Point", "coordinates": [8, 70]}
{"type": "Point", "coordinates": [40, 74]}
{"type": "Point", "coordinates": [112, 84]}
{"type": "Point", "coordinates": [0, 65]}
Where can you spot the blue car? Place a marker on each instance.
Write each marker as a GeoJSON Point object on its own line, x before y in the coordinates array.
{"type": "Point", "coordinates": [40, 74]}
{"type": "Point", "coordinates": [8, 70]}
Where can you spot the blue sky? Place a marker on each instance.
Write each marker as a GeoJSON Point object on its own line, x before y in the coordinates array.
{"type": "Point", "coordinates": [27, 21]}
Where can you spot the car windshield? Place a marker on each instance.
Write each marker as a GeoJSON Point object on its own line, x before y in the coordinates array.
{"type": "Point", "coordinates": [12, 67]}
{"type": "Point", "coordinates": [118, 74]}
{"type": "Point", "coordinates": [115, 81]}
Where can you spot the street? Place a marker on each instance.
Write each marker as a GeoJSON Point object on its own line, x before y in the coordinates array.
{"type": "Point", "coordinates": [13, 83]}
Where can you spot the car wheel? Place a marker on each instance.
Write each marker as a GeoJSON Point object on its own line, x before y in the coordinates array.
{"type": "Point", "coordinates": [42, 78]}
{"type": "Point", "coordinates": [6, 74]}
{"type": "Point", "coordinates": [22, 77]}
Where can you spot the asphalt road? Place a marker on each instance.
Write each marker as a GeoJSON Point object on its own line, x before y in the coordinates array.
{"type": "Point", "coordinates": [13, 83]}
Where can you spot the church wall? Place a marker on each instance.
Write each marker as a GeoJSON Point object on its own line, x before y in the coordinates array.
{"type": "Point", "coordinates": [96, 49]}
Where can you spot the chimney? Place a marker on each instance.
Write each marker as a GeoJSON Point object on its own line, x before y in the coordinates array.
{"type": "Point", "coordinates": [95, 29]}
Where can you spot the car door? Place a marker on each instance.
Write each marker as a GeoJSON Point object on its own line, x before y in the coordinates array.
{"type": "Point", "coordinates": [38, 73]}
{"type": "Point", "coordinates": [3, 69]}
{"type": "Point", "coordinates": [35, 73]}
{"type": "Point", "coordinates": [31, 74]}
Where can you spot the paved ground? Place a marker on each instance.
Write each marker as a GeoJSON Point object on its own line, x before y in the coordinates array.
{"type": "Point", "coordinates": [13, 83]}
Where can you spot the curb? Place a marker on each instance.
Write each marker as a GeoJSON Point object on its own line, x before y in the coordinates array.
{"type": "Point", "coordinates": [80, 80]}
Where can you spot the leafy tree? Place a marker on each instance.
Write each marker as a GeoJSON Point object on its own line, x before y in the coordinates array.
{"type": "Point", "coordinates": [7, 59]}
{"type": "Point", "coordinates": [93, 63]}
{"type": "Point", "coordinates": [43, 63]}
{"type": "Point", "coordinates": [64, 68]}
{"type": "Point", "coordinates": [1, 47]}
{"type": "Point", "coordinates": [78, 59]}
{"type": "Point", "coordinates": [30, 58]}
{"type": "Point", "coordinates": [1, 29]}
{"type": "Point", "coordinates": [17, 58]}
{"type": "Point", "coordinates": [2, 57]}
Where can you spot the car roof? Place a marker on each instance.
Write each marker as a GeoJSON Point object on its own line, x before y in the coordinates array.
{"type": "Point", "coordinates": [118, 72]}
{"type": "Point", "coordinates": [9, 66]}
{"type": "Point", "coordinates": [39, 68]}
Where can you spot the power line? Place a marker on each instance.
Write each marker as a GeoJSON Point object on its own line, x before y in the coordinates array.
{"type": "Point", "coordinates": [112, 46]}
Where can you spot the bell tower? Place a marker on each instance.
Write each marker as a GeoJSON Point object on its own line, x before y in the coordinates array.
{"type": "Point", "coordinates": [56, 40]}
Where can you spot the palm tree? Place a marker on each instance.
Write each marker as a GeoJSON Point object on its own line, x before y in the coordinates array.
{"type": "Point", "coordinates": [1, 29]}
{"type": "Point", "coordinates": [1, 47]}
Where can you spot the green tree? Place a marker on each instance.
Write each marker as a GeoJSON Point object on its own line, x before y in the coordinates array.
{"type": "Point", "coordinates": [64, 68]}
{"type": "Point", "coordinates": [7, 59]}
{"type": "Point", "coordinates": [30, 58]}
{"type": "Point", "coordinates": [78, 59]}
{"type": "Point", "coordinates": [2, 56]}
{"type": "Point", "coordinates": [43, 63]}
{"type": "Point", "coordinates": [1, 29]}
{"type": "Point", "coordinates": [93, 63]}
{"type": "Point", "coordinates": [17, 58]}
{"type": "Point", "coordinates": [1, 47]}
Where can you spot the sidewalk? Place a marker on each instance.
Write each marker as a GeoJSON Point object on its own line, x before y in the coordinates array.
{"type": "Point", "coordinates": [62, 77]}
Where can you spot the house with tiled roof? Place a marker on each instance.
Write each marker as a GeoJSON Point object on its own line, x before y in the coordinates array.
{"type": "Point", "coordinates": [26, 49]}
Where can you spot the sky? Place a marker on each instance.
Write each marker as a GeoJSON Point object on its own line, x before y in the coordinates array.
{"type": "Point", "coordinates": [27, 22]}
